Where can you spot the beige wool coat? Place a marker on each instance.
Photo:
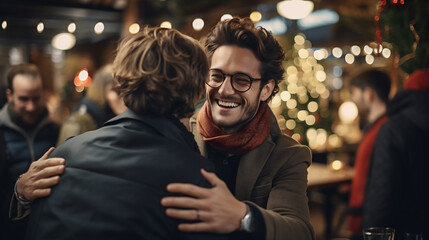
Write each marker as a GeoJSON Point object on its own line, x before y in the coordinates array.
{"type": "Point", "coordinates": [273, 177]}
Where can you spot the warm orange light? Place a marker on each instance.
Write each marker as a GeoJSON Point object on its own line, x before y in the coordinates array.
{"type": "Point", "coordinates": [76, 81]}
{"type": "Point", "coordinates": [87, 82]}
{"type": "Point", "coordinates": [82, 78]}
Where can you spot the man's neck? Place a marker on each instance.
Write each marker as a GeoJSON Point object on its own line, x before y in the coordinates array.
{"type": "Point", "coordinates": [185, 121]}
{"type": "Point", "coordinates": [377, 110]}
{"type": "Point", "coordinates": [231, 130]}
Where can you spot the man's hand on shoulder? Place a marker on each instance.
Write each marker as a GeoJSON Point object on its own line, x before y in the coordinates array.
{"type": "Point", "coordinates": [215, 209]}
{"type": "Point", "coordinates": [40, 177]}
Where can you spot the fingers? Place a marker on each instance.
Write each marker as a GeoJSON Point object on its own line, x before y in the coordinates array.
{"type": "Point", "coordinates": [39, 188]}
{"type": "Point", "coordinates": [52, 161]}
{"type": "Point", "coordinates": [183, 202]}
{"type": "Point", "coordinates": [51, 171]}
{"type": "Point", "coordinates": [40, 171]}
{"type": "Point", "coordinates": [42, 164]}
{"type": "Point", "coordinates": [38, 193]}
{"type": "Point", "coordinates": [47, 153]}
{"type": "Point", "coordinates": [188, 189]}
{"type": "Point", "coordinates": [36, 182]}
{"type": "Point", "coordinates": [46, 182]}
{"type": "Point", "coordinates": [210, 177]}
{"type": "Point", "coordinates": [190, 214]}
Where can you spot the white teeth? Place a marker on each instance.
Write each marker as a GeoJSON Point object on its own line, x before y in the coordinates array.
{"type": "Point", "coordinates": [227, 104]}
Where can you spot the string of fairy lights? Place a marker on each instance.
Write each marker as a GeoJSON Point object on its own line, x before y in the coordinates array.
{"type": "Point", "coordinates": [302, 105]}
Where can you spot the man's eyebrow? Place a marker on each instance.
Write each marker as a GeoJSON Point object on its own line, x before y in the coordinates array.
{"type": "Point", "coordinates": [26, 97]}
{"type": "Point", "coordinates": [248, 74]}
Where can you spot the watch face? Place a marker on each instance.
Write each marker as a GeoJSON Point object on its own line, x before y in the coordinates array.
{"type": "Point", "coordinates": [246, 222]}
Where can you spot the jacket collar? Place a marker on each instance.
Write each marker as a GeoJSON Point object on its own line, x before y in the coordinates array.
{"type": "Point", "coordinates": [167, 126]}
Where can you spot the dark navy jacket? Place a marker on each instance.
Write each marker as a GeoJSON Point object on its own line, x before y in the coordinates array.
{"type": "Point", "coordinates": [19, 148]}
{"type": "Point", "coordinates": [115, 178]}
{"type": "Point", "coordinates": [397, 193]}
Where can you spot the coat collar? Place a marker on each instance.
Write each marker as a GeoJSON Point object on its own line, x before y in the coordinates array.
{"type": "Point", "coordinates": [167, 126]}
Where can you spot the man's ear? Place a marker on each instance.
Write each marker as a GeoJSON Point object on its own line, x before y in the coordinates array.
{"type": "Point", "coordinates": [368, 94]}
{"type": "Point", "coordinates": [267, 89]}
{"type": "Point", "coordinates": [9, 95]}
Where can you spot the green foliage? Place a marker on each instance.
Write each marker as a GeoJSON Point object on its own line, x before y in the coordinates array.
{"type": "Point", "coordinates": [396, 21]}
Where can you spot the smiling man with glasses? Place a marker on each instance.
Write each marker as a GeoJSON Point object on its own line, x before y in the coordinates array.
{"type": "Point", "coordinates": [260, 181]}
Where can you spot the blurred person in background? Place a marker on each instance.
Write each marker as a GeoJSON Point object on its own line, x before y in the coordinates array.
{"type": "Point", "coordinates": [116, 175]}
{"type": "Point", "coordinates": [370, 92]}
{"type": "Point", "coordinates": [397, 193]}
{"type": "Point", "coordinates": [100, 103]}
{"type": "Point", "coordinates": [27, 132]}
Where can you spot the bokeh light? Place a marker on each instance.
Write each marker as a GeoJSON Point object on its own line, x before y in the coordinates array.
{"type": "Point", "coordinates": [166, 24]}
{"type": "Point", "coordinates": [99, 28]}
{"type": "Point", "coordinates": [198, 24]}
{"type": "Point", "coordinates": [134, 28]}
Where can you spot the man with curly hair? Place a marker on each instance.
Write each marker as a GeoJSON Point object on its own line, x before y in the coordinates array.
{"type": "Point", "coordinates": [259, 190]}
{"type": "Point", "coordinates": [116, 175]}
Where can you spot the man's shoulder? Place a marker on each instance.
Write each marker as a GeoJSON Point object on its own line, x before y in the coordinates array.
{"type": "Point", "coordinates": [4, 115]}
{"type": "Point", "coordinates": [287, 146]}
{"type": "Point", "coordinates": [285, 141]}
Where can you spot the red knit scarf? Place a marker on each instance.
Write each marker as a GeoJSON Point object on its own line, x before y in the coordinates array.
{"type": "Point", "coordinates": [250, 137]}
{"type": "Point", "coordinates": [418, 80]}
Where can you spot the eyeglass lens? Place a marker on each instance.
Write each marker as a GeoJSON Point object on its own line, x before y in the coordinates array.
{"type": "Point", "coordinates": [239, 81]}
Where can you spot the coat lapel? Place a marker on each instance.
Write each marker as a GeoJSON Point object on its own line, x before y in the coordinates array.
{"type": "Point", "coordinates": [250, 167]}
{"type": "Point", "coordinates": [197, 136]}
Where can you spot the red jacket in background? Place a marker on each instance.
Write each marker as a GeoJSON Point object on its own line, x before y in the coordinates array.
{"type": "Point", "coordinates": [362, 158]}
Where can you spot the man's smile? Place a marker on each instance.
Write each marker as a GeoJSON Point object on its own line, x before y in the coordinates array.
{"type": "Point", "coordinates": [227, 104]}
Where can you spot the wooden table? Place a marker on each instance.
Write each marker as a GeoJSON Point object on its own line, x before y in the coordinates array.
{"type": "Point", "coordinates": [323, 178]}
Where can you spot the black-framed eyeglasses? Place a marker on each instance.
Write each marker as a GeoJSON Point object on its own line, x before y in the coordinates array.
{"type": "Point", "coordinates": [240, 82]}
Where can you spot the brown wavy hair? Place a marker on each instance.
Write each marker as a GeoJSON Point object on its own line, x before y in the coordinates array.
{"type": "Point", "coordinates": [242, 32]}
{"type": "Point", "coordinates": [160, 71]}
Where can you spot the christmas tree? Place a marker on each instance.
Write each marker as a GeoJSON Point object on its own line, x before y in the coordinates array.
{"type": "Point", "coordinates": [302, 104]}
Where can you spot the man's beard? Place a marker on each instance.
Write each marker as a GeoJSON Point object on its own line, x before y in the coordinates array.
{"type": "Point", "coordinates": [250, 114]}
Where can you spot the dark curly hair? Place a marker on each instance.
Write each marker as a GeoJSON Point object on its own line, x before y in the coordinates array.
{"type": "Point", "coordinates": [242, 32]}
{"type": "Point", "coordinates": [160, 71]}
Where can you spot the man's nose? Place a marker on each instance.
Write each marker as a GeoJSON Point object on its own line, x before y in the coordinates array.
{"type": "Point", "coordinates": [30, 106]}
{"type": "Point", "coordinates": [226, 88]}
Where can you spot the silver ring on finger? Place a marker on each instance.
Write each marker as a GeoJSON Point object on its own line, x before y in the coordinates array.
{"type": "Point", "coordinates": [198, 215]}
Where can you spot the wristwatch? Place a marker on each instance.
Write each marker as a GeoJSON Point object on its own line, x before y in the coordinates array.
{"type": "Point", "coordinates": [21, 199]}
{"type": "Point", "coordinates": [247, 221]}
